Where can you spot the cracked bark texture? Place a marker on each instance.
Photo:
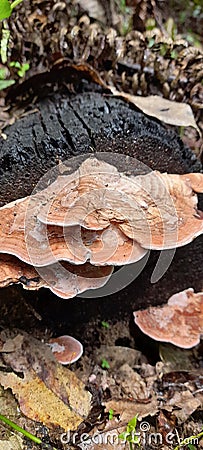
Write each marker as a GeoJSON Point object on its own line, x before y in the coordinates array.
{"type": "Point", "coordinates": [64, 127]}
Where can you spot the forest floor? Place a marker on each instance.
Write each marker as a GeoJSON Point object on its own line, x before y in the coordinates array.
{"type": "Point", "coordinates": [144, 48]}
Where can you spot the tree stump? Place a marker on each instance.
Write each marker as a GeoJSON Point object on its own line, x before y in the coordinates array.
{"type": "Point", "coordinates": [63, 127]}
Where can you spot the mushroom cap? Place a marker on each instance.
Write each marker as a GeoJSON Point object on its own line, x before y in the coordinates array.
{"type": "Point", "coordinates": [195, 181]}
{"type": "Point", "coordinates": [66, 281]}
{"type": "Point", "coordinates": [151, 211]}
{"type": "Point", "coordinates": [92, 175]}
{"type": "Point", "coordinates": [23, 235]}
{"type": "Point", "coordinates": [111, 247]}
{"type": "Point", "coordinates": [158, 211]}
{"type": "Point", "coordinates": [179, 322]}
{"type": "Point", "coordinates": [12, 270]}
{"type": "Point", "coordinates": [171, 212]}
{"type": "Point", "coordinates": [66, 349]}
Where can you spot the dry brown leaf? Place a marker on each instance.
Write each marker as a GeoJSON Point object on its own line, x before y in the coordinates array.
{"type": "Point", "coordinates": [48, 392]}
{"type": "Point", "coordinates": [133, 385]}
{"type": "Point", "coordinates": [171, 112]}
{"type": "Point", "coordinates": [186, 402]}
{"type": "Point", "coordinates": [94, 9]}
{"type": "Point", "coordinates": [176, 358]}
{"type": "Point", "coordinates": [128, 409]}
{"type": "Point", "coordinates": [117, 356]}
{"type": "Point", "coordinates": [39, 403]}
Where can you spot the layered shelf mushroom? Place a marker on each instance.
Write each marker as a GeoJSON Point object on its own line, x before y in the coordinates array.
{"type": "Point", "coordinates": [70, 235]}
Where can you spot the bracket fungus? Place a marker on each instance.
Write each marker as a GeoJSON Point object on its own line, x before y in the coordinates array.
{"type": "Point", "coordinates": [179, 322]}
{"type": "Point", "coordinates": [65, 280]}
{"type": "Point", "coordinates": [70, 234]}
{"type": "Point", "coordinates": [159, 211]}
{"type": "Point", "coordinates": [66, 349]}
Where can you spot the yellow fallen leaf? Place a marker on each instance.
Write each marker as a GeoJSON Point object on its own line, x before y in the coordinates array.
{"type": "Point", "coordinates": [39, 403]}
{"type": "Point", "coordinates": [47, 392]}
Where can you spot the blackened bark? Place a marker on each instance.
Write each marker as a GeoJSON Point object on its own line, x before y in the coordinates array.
{"type": "Point", "coordinates": [65, 127]}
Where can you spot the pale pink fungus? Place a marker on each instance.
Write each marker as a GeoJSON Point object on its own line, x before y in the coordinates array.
{"type": "Point", "coordinates": [66, 349]}
{"type": "Point", "coordinates": [179, 322]}
{"type": "Point", "coordinates": [71, 234]}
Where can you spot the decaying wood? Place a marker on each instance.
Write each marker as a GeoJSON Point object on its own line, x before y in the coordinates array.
{"type": "Point", "coordinates": [63, 128]}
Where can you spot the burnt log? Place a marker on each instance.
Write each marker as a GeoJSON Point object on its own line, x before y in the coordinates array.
{"type": "Point", "coordinates": [63, 127]}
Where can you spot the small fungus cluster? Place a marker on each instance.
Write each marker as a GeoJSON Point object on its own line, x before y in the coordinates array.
{"type": "Point", "coordinates": [69, 236]}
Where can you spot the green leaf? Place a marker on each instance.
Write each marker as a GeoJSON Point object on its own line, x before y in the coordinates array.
{"type": "Point", "coordinates": [6, 83]}
{"type": "Point", "coordinates": [123, 436]}
{"type": "Point", "coordinates": [111, 414]}
{"type": "Point", "coordinates": [105, 364]}
{"type": "Point", "coordinates": [132, 424]}
{"type": "Point", "coordinates": [15, 3]}
{"type": "Point", "coordinates": [23, 69]}
{"type": "Point", "coordinates": [3, 73]}
{"type": "Point", "coordinates": [26, 67]}
{"type": "Point", "coordinates": [151, 42]}
{"type": "Point", "coordinates": [15, 64]}
{"type": "Point", "coordinates": [105, 324]}
{"type": "Point", "coordinates": [5, 9]}
{"type": "Point", "coordinates": [191, 447]}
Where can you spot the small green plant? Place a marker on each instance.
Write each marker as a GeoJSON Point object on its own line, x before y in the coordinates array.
{"type": "Point", "coordinates": [6, 8]}
{"type": "Point", "coordinates": [105, 364]}
{"type": "Point", "coordinates": [123, 6]}
{"type": "Point", "coordinates": [6, 83]}
{"type": "Point", "coordinates": [22, 68]}
{"type": "Point", "coordinates": [105, 324]}
{"type": "Point", "coordinates": [111, 414]}
{"type": "Point", "coordinates": [150, 24]}
{"type": "Point", "coordinates": [131, 435]}
{"type": "Point", "coordinates": [25, 433]}
{"type": "Point", "coordinates": [171, 28]}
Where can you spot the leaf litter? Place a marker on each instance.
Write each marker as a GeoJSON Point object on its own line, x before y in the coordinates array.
{"type": "Point", "coordinates": [164, 377]}
{"type": "Point", "coordinates": [51, 394]}
{"type": "Point", "coordinates": [135, 387]}
{"type": "Point", "coordinates": [46, 391]}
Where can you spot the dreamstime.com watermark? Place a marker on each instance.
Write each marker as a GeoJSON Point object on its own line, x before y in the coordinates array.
{"type": "Point", "coordinates": [143, 436]}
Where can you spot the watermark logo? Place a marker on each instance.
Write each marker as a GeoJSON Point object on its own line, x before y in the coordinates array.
{"type": "Point", "coordinates": [57, 192]}
{"type": "Point", "coordinates": [143, 436]}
